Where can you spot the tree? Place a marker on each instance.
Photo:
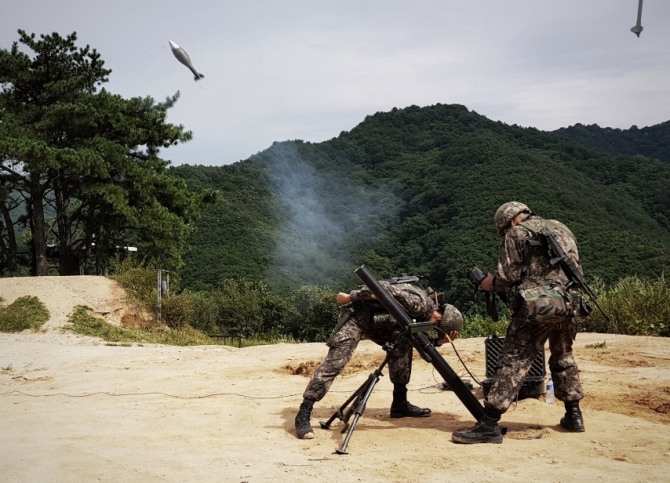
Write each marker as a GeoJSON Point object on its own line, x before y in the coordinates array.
{"type": "Point", "coordinates": [86, 161]}
{"type": "Point", "coordinates": [8, 245]}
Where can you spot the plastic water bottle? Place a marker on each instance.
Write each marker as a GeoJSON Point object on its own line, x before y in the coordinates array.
{"type": "Point", "coordinates": [549, 396]}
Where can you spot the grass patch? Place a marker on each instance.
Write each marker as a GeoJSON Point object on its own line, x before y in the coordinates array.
{"type": "Point", "coordinates": [597, 345]}
{"type": "Point", "coordinates": [82, 322]}
{"type": "Point", "coordinates": [26, 312]}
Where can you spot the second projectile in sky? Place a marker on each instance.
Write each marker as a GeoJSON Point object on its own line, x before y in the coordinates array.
{"type": "Point", "coordinates": [638, 28]}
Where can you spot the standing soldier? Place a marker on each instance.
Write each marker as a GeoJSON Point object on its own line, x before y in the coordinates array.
{"type": "Point", "coordinates": [361, 315]}
{"type": "Point", "coordinates": [544, 306]}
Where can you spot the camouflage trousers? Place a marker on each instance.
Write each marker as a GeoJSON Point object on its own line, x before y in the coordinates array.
{"type": "Point", "coordinates": [342, 345]}
{"type": "Point", "coordinates": [524, 340]}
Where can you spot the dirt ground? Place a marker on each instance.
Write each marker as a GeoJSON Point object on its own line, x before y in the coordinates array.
{"type": "Point", "coordinates": [75, 408]}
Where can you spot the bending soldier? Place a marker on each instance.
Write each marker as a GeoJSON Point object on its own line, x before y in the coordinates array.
{"type": "Point", "coordinates": [361, 315]}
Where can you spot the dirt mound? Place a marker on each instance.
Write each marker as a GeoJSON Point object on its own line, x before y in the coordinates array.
{"type": "Point", "coordinates": [105, 297]}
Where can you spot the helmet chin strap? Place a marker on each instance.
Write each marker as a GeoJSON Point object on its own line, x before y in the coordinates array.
{"type": "Point", "coordinates": [517, 219]}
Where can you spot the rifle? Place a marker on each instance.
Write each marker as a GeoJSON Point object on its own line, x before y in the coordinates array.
{"type": "Point", "coordinates": [558, 257]}
{"type": "Point", "coordinates": [404, 278]}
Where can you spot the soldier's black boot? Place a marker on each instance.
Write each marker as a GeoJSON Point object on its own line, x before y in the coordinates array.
{"type": "Point", "coordinates": [402, 408]}
{"type": "Point", "coordinates": [485, 431]}
{"type": "Point", "coordinates": [573, 419]}
{"type": "Point", "coordinates": [302, 427]}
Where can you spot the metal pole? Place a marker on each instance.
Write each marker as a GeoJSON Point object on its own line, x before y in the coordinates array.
{"type": "Point", "coordinates": [158, 305]}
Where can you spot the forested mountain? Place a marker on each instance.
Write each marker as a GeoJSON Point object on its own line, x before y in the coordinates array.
{"type": "Point", "coordinates": [414, 191]}
{"type": "Point", "coordinates": [651, 141]}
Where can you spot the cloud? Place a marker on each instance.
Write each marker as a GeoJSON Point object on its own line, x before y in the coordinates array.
{"type": "Point", "coordinates": [298, 69]}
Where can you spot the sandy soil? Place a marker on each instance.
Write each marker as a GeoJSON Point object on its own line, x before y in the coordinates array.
{"type": "Point", "coordinates": [77, 409]}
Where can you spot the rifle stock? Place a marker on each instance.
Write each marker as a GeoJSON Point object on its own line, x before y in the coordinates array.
{"type": "Point", "coordinates": [558, 256]}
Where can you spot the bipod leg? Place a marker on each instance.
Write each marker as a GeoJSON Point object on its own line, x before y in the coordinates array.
{"type": "Point", "coordinates": [342, 413]}
{"type": "Point", "coordinates": [339, 413]}
{"type": "Point", "coordinates": [362, 396]}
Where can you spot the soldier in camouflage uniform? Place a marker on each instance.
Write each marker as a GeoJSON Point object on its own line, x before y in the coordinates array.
{"type": "Point", "coordinates": [524, 269]}
{"type": "Point", "coordinates": [361, 315]}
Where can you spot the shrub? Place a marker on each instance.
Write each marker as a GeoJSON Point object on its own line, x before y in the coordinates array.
{"type": "Point", "coordinates": [24, 313]}
{"type": "Point", "coordinates": [239, 305]}
{"type": "Point", "coordinates": [139, 282]}
{"type": "Point", "coordinates": [635, 306]}
{"type": "Point", "coordinates": [204, 311]}
{"type": "Point", "coordinates": [177, 310]}
{"type": "Point", "coordinates": [480, 326]}
{"type": "Point", "coordinates": [315, 316]}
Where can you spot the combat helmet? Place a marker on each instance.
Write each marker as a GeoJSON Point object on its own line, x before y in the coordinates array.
{"type": "Point", "coordinates": [452, 319]}
{"type": "Point", "coordinates": [506, 213]}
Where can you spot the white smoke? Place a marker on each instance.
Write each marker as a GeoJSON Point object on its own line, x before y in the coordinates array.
{"type": "Point", "coordinates": [318, 213]}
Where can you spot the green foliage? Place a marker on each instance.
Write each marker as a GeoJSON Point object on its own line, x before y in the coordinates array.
{"type": "Point", "coordinates": [242, 309]}
{"type": "Point", "coordinates": [138, 280]}
{"type": "Point", "coordinates": [636, 306]}
{"type": "Point", "coordinates": [26, 312]}
{"type": "Point", "coordinates": [315, 314]}
{"type": "Point", "coordinates": [203, 309]}
{"type": "Point", "coordinates": [652, 141]}
{"type": "Point", "coordinates": [141, 284]}
{"type": "Point", "coordinates": [237, 218]}
{"type": "Point", "coordinates": [480, 326]}
{"type": "Point", "coordinates": [177, 310]}
{"type": "Point", "coordinates": [238, 310]}
{"type": "Point", "coordinates": [407, 191]}
{"type": "Point", "coordinates": [82, 322]}
{"type": "Point", "coordinates": [414, 191]}
{"type": "Point", "coordinates": [239, 307]}
{"type": "Point", "coordinates": [85, 324]}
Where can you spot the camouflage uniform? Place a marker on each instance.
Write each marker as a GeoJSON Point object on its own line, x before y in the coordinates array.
{"type": "Point", "coordinates": [366, 317]}
{"type": "Point", "coordinates": [523, 266]}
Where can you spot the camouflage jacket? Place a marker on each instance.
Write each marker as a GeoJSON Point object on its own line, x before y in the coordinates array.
{"type": "Point", "coordinates": [525, 265]}
{"type": "Point", "coordinates": [413, 299]}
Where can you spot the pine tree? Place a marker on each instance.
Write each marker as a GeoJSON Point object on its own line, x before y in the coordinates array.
{"type": "Point", "coordinates": [86, 160]}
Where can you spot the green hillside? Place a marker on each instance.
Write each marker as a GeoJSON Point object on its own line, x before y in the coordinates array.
{"type": "Point", "coordinates": [651, 141]}
{"type": "Point", "coordinates": [414, 191]}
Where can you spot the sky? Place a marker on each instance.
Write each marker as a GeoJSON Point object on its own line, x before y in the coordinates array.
{"type": "Point", "coordinates": [278, 70]}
